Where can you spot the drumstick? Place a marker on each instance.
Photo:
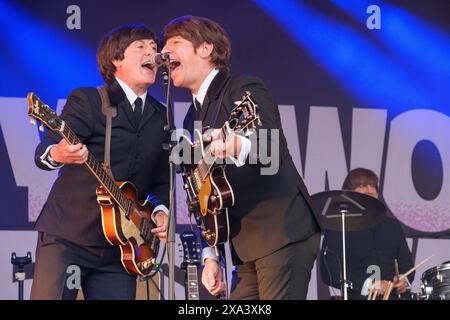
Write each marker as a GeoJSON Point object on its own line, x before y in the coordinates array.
{"type": "Point", "coordinates": [391, 284]}
{"type": "Point", "coordinates": [388, 290]}
{"type": "Point", "coordinates": [374, 296]}
{"type": "Point", "coordinates": [414, 268]}
{"type": "Point", "coordinates": [369, 296]}
{"type": "Point", "coordinates": [372, 292]}
{"type": "Point", "coordinates": [397, 274]}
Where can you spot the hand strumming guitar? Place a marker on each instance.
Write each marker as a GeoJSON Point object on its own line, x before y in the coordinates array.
{"type": "Point", "coordinates": [161, 221]}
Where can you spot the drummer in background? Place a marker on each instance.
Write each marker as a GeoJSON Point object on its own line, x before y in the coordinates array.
{"type": "Point", "coordinates": [378, 245]}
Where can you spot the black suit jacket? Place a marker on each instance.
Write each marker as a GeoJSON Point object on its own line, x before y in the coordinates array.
{"type": "Point", "coordinates": [378, 245]}
{"type": "Point", "coordinates": [270, 211]}
{"type": "Point", "coordinates": [71, 210]}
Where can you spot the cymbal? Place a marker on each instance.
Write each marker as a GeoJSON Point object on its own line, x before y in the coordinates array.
{"type": "Point", "coordinates": [361, 211]}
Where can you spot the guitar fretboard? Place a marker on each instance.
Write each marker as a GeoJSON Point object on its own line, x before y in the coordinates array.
{"type": "Point", "coordinates": [97, 169]}
{"type": "Point", "coordinates": [192, 282]}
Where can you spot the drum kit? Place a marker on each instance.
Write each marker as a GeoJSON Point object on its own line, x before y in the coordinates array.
{"type": "Point", "coordinates": [436, 283]}
{"type": "Point", "coordinates": [343, 210]}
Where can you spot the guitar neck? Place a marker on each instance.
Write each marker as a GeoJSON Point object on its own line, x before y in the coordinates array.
{"type": "Point", "coordinates": [192, 283]}
{"type": "Point", "coordinates": [204, 165]}
{"type": "Point", "coordinates": [97, 169]}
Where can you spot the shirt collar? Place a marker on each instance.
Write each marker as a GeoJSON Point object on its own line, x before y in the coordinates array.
{"type": "Point", "coordinates": [131, 96]}
{"type": "Point", "coordinates": [200, 96]}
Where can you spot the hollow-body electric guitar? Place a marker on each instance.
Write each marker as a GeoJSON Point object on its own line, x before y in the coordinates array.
{"type": "Point", "coordinates": [126, 221]}
{"type": "Point", "coordinates": [209, 194]}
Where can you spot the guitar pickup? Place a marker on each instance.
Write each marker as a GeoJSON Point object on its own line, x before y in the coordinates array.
{"type": "Point", "coordinates": [103, 198]}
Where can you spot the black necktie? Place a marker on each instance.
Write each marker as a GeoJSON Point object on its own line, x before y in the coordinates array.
{"type": "Point", "coordinates": [138, 110]}
{"type": "Point", "coordinates": [198, 105]}
{"type": "Point", "coordinates": [198, 108]}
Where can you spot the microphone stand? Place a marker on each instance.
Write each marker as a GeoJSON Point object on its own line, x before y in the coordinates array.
{"type": "Point", "coordinates": [165, 72]}
{"type": "Point", "coordinates": [20, 275]}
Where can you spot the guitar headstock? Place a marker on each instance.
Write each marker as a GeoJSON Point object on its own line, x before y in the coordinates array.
{"type": "Point", "coordinates": [245, 116]}
{"type": "Point", "coordinates": [42, 112]}
{"type": "Point", "coordinates": [191, 249]}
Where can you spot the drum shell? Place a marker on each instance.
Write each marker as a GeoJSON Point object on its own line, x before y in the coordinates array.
{"type": "Point", "coordinates": [436, 282]}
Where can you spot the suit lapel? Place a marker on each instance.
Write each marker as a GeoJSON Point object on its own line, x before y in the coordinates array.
{"type": "Point", "coordinates": [212, 95]}
{"type": "Point", "coordinates": [118, 98]}
{"type": "Point", "coordinates": [191, 116]}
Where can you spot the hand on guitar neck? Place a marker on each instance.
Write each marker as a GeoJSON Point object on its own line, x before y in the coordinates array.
{"type": "Point", "coordinates": [66, 153]}
{"type": "Point", "coordinates": [223, 148]}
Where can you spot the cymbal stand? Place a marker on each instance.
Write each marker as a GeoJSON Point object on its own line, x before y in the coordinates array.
{"type": "Point", "coordinates": [345, 284]}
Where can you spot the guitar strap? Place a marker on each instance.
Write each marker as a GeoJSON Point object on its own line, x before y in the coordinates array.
{"type": "Point", "coordinates": [110, 112]}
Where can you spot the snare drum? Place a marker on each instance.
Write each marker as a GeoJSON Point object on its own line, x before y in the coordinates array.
{"type": "Point", "coordinates": [436, 282]}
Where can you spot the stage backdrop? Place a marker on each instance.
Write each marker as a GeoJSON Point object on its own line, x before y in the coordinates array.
{"type": "Point", "coordinates": [358, 83]}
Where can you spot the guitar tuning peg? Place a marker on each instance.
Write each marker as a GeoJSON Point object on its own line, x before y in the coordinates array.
{"type": "Point", "coordinates": [32, 121]}
{"type": "Point", "coordinates": [41, 128]}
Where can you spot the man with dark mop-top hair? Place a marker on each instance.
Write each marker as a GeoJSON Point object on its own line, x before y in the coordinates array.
{"type": "Point", "coordinates": [70, 226]}
{"type": "Point", "coordinates": [274, 234]}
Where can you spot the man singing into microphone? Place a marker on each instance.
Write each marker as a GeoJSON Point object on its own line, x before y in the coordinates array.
{"type": "Point", "coordinates": [274, 234]}
{"type": "Point", "coordinates": [71, 243]}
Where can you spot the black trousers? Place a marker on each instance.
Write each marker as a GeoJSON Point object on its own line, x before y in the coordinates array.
{"type": "Point", "coordinates": [62, 267]}
{"type": "Point", "coordinates": [282, 275]}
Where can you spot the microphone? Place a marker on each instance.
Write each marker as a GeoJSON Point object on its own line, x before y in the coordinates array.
{"type": "Point", "coordinates": [160, 59]}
